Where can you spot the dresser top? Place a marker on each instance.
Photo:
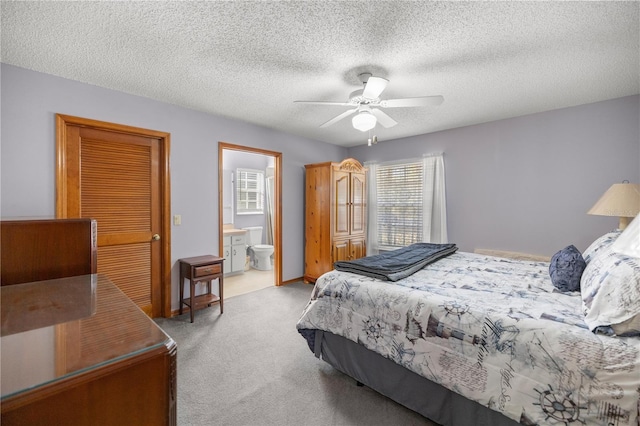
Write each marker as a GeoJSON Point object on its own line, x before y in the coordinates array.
{"type": "Point", "coordinates": [69, 326]}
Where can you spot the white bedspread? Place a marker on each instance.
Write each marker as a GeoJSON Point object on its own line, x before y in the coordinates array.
{"type": "Point", "coordinates": [493, 330]}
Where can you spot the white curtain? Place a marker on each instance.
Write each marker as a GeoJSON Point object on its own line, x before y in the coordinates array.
{"type": "Point", "coordinates": [434, 220]}
{"type": "Point", "coordinates": [372, 209]}
{"type": "Point", "coordinates": [269, 225]}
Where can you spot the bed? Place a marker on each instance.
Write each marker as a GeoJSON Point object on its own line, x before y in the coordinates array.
{"type": "Point", "coordinates": [471, 339]}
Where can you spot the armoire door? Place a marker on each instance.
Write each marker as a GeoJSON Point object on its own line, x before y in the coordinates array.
{"type": "Point", "coordinates": [340, 252]}
{"type": "Point", "coordinates": [115, 175]}
{"type": "Point", "coordinates": [341, 204]}
{"type": "Point", "coordinates": [358, 204]}
{"type": "Point", "coordinates": [357, 247]}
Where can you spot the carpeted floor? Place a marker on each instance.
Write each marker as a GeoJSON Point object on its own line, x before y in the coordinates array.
{"type": "Point", "coordinates": [249, 366]}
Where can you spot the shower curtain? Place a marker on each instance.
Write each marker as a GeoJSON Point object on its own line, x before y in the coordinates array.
{"type": "Point", "coordinates": [269, 211]}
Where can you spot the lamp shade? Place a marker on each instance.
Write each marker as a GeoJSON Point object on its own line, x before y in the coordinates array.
{"type": "Point", "coordinates": [622, 200]}
{"type": "Point", "coordinates": [629, 241]}
{"type": "Point", "coordinates": [364, 121]}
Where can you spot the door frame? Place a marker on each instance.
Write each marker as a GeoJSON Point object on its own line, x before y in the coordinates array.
{"type": "Point", "coordinates": [277, 205]}
{"type": "Point", "coordinates": [63, 204]}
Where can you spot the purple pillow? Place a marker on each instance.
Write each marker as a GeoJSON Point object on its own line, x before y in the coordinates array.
{"type": "Point", "coordinates": [566, 269]}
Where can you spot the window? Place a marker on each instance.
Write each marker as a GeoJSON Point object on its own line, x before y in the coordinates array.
{"type": "Point", "coordinates": [250, 191]}
{"type": "Point", "coordinates": [406, 203]}
{"type": "Point", "coordinates": [399, 190]}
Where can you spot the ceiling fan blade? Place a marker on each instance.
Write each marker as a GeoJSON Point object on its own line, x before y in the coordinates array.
{"type": "Point", "coordinates": [412, 102]}
{"type": "Point", "coordinates": [339, 117]}
{"type": "Point", "coordinates": [383, 118]}
{"type": "Point", "coordinates": [324, 103]}
{"type": "Point", "coordinates": [374, 87]}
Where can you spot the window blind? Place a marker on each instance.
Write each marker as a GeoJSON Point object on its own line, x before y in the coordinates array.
{"type": "Point", "coordinates": [399, 194]}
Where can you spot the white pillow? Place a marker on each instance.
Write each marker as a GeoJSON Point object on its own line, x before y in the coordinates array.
{"type": "Point", "coordinates": [602, 243]}
{"type": "Point", "coordinates": [610, 289]}
{"type": "Point", "coordinates": [629, 241]}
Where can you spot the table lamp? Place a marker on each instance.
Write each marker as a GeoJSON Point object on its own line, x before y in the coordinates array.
{"type": "Point", "coordinates": [622, 200]}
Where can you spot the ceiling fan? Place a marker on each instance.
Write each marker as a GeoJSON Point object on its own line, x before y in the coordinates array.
{"type": "Point", "coordinates": [366, 103]}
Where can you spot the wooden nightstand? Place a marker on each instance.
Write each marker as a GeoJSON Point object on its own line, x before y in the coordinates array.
{"type": "Point", "coordinates": [201, 269]}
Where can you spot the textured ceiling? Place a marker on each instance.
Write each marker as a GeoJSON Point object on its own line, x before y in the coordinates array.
{"type": "Point", "coordinates": [251, 60]}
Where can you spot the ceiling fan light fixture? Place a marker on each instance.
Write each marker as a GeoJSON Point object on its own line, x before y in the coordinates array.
{"type": "Point", "coordinates": [364, 121]}
{"type": "Point", "coordinates": [366, 105]}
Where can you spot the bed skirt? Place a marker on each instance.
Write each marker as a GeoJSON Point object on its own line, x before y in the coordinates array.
{"type": "Point", "coordinates": [415, 392]}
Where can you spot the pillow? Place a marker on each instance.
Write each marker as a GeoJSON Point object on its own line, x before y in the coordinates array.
{"type": "Point", "coordinates": [610, 290]}
{"type": "Point", "coordinates": [600, 244]}
{"type": "Point", "coordinates": [566, 269]}
{"type": "Point", "coordinates": [630, 327]}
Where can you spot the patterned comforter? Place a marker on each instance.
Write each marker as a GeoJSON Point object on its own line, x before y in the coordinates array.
{"type": "Point", "coordinates": [493, 330]}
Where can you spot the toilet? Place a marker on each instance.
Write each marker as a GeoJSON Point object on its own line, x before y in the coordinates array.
{"type": "Point", "coordinates": [260, 253]}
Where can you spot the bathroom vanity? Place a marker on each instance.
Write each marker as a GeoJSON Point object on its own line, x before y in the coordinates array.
{"type": "Point", "coordinates": [235, 250]}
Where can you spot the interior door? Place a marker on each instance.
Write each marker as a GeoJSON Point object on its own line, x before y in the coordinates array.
{"type": "Point", "coordinates": [277, 197]}
{"type": "Point", "coordinates": [114, 174]}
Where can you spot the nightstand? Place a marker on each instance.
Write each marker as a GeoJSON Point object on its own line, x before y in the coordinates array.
{"type": "Point", "coordinates": [201, 269]}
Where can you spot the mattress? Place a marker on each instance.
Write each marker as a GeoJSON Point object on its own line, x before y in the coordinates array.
{"type": "Point", "coordinates": [492, 330]}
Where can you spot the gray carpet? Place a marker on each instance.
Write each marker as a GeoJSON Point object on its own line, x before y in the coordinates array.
{"type": "Point", "coordinates": [249, 366]}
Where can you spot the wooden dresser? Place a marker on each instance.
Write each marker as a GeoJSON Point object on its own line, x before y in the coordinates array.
{"type": "Point", "coordinates": [75, 350]}
{"type": "Point", "coordinates": [42, 249]}
{"type": "Point", "coordinates": [335, 215]}
{"type": "Point", "coordinates": [78, 351]}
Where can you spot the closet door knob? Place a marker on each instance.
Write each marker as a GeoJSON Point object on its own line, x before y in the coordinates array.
{"type": "Point", "coordinates": [156, 237]}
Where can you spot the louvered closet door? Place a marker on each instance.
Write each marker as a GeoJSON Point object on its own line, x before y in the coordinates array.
{"type": "Point", "coordinates": [113, 177]}
{"type": "Point", "coordinates": [118, 189]}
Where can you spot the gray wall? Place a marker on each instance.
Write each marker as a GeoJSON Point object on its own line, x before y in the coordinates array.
{"type": "Point", "coordinates": [520, 184]}
{"type": "Point", "coordinates": [30, 100]}
{"type": "Point", "coordinates": [525, 184]}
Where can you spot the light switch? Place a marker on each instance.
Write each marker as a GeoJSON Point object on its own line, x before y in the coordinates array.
{"type": "Point", "coordinates": [177, 219]}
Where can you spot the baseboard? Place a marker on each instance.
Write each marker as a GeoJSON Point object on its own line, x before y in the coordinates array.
{"type": "Point", "coordinates": [295, 280]}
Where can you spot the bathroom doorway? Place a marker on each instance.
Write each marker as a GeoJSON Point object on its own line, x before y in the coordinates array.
{"type": "Point", "coordinates": [249, 225]}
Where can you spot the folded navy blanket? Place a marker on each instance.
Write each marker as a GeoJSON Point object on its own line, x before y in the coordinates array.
{"type": "Point", "coordinates": [397, 264]}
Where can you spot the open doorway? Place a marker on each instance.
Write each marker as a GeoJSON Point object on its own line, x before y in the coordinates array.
{"type": "Point", "coordinates": [250, 223]}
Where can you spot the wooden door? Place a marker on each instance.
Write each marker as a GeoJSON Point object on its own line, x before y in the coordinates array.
{"type": "Point", "coordinates": [357, 248]}
{"type": "Point", "coordinates": [340, 197]}
{"type": "Point", "coordinates": [340, 252]}
{"type": "Point", "coordinates": [358, 204]}
{"type": "Point", "coordinates": [118, 175]}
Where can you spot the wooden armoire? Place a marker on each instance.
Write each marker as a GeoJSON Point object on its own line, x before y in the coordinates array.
{"type": "Point", "coordinates": [335, 216]}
